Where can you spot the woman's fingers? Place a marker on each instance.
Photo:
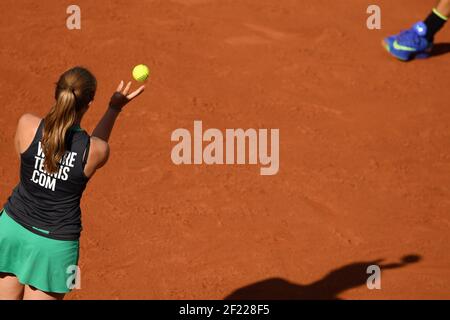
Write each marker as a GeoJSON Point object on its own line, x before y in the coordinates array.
{"type": "Point", "coordinates": [127, 88]}
{"type": "Point", "coordinates": [119, 88]}
{"type": "Point", "coordinates": [135, 93]}
{"type": "Point", "coordinates": [121, 97]}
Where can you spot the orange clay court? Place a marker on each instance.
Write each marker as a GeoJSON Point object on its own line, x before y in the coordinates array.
{"type": "Point", "coordinates": [364, 146]}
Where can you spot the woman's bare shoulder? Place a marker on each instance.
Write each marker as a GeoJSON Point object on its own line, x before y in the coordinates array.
{"type": "Point", "coordinates": [98, 155]}
{"type": "Point", "coordinates": [29, 120]}
{"type": "Point", "coordinates": [26, 130]}
{"type": "Point", "coordinates": [100, 146]}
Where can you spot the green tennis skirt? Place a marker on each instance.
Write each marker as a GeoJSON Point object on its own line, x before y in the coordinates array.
{"type": "Point", "coordinates": [46, 264]}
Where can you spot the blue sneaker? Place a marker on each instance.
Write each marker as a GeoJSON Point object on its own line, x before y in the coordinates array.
{"type": "Point", "coordinates": [409, 44]}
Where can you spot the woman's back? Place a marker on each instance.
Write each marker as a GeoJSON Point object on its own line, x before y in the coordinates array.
{"type": "Point", "coordinates": [49, 204]}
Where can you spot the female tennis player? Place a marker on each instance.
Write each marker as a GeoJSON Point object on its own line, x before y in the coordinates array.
{"type": "Point", "coordinates": [40, 224]}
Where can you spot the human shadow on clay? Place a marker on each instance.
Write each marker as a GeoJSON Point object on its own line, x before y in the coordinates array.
{"type": "Point", "coordinates": [328, 288]}
{"type": "Point", "coordinates": [440, 49]}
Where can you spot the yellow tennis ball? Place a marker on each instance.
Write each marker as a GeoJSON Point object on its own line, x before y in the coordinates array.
{"type": "Point", "coordinates": [141, 72]}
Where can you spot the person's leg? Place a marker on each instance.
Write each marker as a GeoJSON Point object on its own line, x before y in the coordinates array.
{"type": "Point", "coordinates": [436, 19]}
{"type": "Point", "coordinates": [443, 7]}
{"type": "Point", "coordinates": [35, 294]}
{"type": "Point", "coordinates": [10, 287]}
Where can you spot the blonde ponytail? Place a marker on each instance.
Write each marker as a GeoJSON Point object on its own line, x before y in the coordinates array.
{"type": "Point", "coordinates": [62, 116]}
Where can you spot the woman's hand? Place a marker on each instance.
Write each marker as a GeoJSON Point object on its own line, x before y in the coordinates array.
{"type": "Point", "coordinates": [121, 98]}
{"type": "Point", "coordinates": [118, 101]}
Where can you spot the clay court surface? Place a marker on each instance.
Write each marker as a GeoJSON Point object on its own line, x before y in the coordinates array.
{"type": "Point", "coordinates": [364, 146]}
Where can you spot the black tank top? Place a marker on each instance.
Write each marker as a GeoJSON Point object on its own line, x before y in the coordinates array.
{"type": "Point", "coordinates": [49, 205]}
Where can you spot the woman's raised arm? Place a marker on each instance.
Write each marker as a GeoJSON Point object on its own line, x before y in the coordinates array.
{"type": "Point", "coordinates": [118, 101]}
